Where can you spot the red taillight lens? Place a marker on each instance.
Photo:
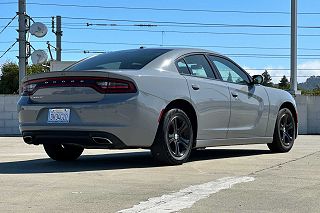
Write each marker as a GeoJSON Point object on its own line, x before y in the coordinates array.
{"type": "Point", "coordinates": [102, 85]}
{"type": "Point", "coordinates": [28, 89]}
{"type": "Point", "coordinates": [117, 86]}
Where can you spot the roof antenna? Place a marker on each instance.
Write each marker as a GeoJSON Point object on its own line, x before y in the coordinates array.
{"type": "Point", "coordinates": [141, 47]}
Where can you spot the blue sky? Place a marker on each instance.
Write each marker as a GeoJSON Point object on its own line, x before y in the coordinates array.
{"type": "Point", "coordinates": [73, 50]}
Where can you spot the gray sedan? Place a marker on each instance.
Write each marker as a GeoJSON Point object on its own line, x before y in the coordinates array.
{"type": "Point", "coordinates": [168, 100]}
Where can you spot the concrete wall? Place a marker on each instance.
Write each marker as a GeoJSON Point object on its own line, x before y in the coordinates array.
{"type": "Point", "coordinates": [8, 115]}
{"type": "Point", "coordinates": [308, 112]}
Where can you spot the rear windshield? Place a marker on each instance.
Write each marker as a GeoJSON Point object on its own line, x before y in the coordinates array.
{"type": "Point", "coordinates": [125, 59]}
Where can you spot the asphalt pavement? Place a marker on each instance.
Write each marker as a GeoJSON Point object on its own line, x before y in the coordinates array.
{"type": "Point", "coordinates": [223, 179]}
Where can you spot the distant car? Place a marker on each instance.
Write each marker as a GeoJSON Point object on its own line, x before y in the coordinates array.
{"type": "Point", "coordinates": [168, 100]}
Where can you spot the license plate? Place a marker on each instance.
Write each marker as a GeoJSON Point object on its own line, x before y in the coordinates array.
{"type": "Point", "coordinates": [58, 115]}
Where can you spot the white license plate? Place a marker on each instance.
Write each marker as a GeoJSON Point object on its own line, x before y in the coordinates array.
{"type": "Point", "coordinates": [58, 115]}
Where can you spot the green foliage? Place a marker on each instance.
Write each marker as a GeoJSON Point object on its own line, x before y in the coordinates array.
{"type": "Point", "coordinates": [37, 68]}
{"type": "Point", "coordinates": [314, 92]}
{"type": "Point", "coordinates": [9, 83]}
{"type": "Point", "coordinates": [267, 80]}
{"type": "Point", "coordinates": [284, 83]}
{"type": "Point", "coordinates": [9, 78]}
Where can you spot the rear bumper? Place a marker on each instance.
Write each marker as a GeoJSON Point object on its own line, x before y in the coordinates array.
{"type": "Point", "coordinates": [84, 139]}
{"type": "Point", "coordinates": [133, 120]}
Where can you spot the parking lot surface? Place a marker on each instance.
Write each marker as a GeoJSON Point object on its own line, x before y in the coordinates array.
{"type": "Point", "coordinates": [223, 179]}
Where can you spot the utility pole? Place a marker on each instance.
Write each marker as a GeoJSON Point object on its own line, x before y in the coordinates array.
{"type": "Point", "coordinates": [58, 38]}
{"type": "Point", "coordinates": [22, 41]}
{"type": "Point", "coordinates": [293, 64]}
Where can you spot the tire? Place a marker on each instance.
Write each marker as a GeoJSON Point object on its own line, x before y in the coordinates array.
{"type": "Point", "coordinates": [63, 152]}
{"type": "Point", "coordinates": [174, 139]}
{"type": "Point", "coordinates": [284, 132]}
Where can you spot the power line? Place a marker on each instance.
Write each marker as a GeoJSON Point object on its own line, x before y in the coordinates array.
{"type": "Point", "coordinates": [158, 9]}
{"type": "Point", "coordinates": [11, 2]}
{"type": "Point", "coordinates": [169, 25]}
{"type": "Point", "coordinates": [187, 23]}
{"type": "Point", "coordinates": [280, 55]}
{"type": "Point", "coordinates": [190, 32]}
{"type": "Point", "coordinates": [8, 49]}
{"type": "Point", "coordinates": [196, 26]}
{"type": "Point", "coordinates": [169, 9]}
{"type": "Point", "coordinates": [8, 23]}
{"type": "Point", "coordinates": [185, 45]}
{"type": "Point", "coordinates": [282, 69]}
{"type": "Point", "coordinates": [5, 18]}
{"type": "Point", "coordinates": [180, 23]}
{"type": "Point", "coordinates": [69, 51]}
{"type": "Point", "coordinates": [174, 45]}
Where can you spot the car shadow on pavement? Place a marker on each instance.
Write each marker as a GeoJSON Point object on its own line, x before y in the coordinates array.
{"type": "Point", "coordinates": [113, 161]}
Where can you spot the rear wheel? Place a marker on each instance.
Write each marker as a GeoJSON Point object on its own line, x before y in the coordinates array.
{"type": "Point", "coordinates": [63, 152]}
{"type": "Point", "coordinates": [284, 132]}
{"type": "Point", "coordinates": [174, 139]}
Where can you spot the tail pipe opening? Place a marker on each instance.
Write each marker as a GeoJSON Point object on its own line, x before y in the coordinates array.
{"type": "Point", "coordinates": [28, 139]}
{"type": "Point", "coordinates": [101, 140]}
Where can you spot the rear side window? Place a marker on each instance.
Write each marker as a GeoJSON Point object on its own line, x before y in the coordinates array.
{"type": "Point", "coordinates": [182, 67]}
{"type": "Point", "coordinates": [125, 59]}
{"type": "Point", "coordinates": [199, 66]}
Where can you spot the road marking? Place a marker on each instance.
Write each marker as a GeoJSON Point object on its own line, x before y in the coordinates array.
{"type": "Point", "coordinates": [185, 198]}
{"type": "Point", "coordinates": [22, 154]}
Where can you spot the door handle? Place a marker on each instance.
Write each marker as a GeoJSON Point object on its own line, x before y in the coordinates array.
{"type": "Point", "coordinates": [195, 87]}
{"type": "Point", "coordinates": [234, 94]}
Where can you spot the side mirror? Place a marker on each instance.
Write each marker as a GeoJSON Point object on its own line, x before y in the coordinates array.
{"type": "Point", "coordinates": [257, 79]}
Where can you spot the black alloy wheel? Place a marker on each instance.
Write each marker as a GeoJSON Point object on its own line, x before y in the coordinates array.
{"type": "Point", "coordinates": [284, 132]}
{"type": "Point", "coordinates": [178, 134]}
{"type": "Point", "coordinates": [174, 139]}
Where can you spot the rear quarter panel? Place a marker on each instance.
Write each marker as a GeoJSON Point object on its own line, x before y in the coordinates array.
{"type": "Point", "coordinates": [277, 97]}
{"type": "Point", "coordinates": [156, 89]}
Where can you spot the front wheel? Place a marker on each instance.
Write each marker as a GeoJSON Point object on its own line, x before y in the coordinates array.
{"type": "Point", "coordinates": [63, 152]}
{"type": "Point", "coordinates": [284, 132]}
{"type": "Point", "coordinates": [174, 139]}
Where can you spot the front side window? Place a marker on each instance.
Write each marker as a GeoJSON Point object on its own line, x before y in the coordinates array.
{"type": "Point", "coordinates": [126, 59]}
{"type": "Point", "coordinates": [229, 71]}
{"type": "Point", "coordinates": [199, 66]}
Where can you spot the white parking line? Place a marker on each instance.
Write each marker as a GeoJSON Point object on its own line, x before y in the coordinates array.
{"type": "Point", "coordinates": [185, 198]}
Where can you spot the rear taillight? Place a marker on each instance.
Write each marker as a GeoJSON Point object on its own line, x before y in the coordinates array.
{"type": "Point", "coordinates": [102, 85]}
{"type": "Point", "coordinates": [28, 89]}
{"type": "Point", "coordinates": [117, 86]}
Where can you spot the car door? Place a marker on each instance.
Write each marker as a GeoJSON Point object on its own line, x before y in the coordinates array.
{"type": "Point", "coordinates": [249, 102]}
{"type": "Point", "coordinates": [210, 96]}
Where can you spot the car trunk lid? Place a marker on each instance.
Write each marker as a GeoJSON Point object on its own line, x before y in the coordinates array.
{"type": "Point", "coordinates": [74, 86]}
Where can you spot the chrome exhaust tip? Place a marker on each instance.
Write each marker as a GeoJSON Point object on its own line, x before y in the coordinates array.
{"type": "Point", "coordinates": [101, 140]}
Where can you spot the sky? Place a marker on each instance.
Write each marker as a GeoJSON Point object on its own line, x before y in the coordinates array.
{"type": "Point", "coordinates": [256, 51]}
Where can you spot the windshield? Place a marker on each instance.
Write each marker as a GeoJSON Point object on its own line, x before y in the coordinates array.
{"type": "Point", "coordinates": [125, 59]}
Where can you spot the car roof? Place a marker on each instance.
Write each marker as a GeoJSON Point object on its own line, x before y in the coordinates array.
{"type": "Point", "coordinates": [168, 58]}
{"type": "Point", "coordinates": [184, 50]}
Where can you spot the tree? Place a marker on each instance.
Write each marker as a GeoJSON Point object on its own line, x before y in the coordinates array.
{"type": "Point", "coordinates": [9, 83]}
{"type": "Point", "coordinates": [284, 83]}
{"type": "Point", "coordinates": [9, 78]}
{"type": "Point", "coordinates": [267, 80]}
{"type": "Point", "coordinates": [229, 79]}
{"type": "Point", "coordinates": [38, 68]}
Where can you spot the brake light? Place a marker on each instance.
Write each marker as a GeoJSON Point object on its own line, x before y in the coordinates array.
{"type": "Point", "coordinates": [28, 89]}
{"type": "Point", "coordinates": [100, 84]}
{"type": "Point", "coordinates": [117, 86]}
